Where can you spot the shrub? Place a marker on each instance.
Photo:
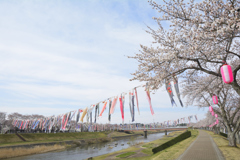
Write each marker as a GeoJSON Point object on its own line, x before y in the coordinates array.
{"type": "Point", "coordinates": [223, 134]}
{"type": "Point", "coordinates": [172, 142]}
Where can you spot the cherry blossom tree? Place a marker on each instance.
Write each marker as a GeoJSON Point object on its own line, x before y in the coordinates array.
{"type": "Point", "coordinates": [199, 92]}
{"type": "Point", "coordinates": [207, 121]}
{"type": "Point", "coordinates": [201, 37]}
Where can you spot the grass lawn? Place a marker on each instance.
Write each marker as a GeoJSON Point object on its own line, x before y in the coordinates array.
{"type": "Point", "coordinates": [131, 149]}
{"type": "Point", "coordinates": [124, 155]}
{"type": "Point", "coordinates": [12, 139]}
{"type": "Point", "coordinates": [228, 152]}
{"type": "Point", "coordinates": [62, 136]}
{"type": "Point", "coordinates": [9, 138]}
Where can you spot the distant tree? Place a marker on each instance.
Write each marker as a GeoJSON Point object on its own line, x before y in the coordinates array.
{"type": "Point", "coordinates": [18, 116]}
{"type": "Point", "coordinates": [36, 116]}
{"type": "Point", "coordinates": [15, 115]}
{"type": "Point", "coordinates": [2, 119]}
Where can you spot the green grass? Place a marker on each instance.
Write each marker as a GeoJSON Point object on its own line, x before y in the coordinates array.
{"type": "Point", "coordinates": [9, 138]}
{"type": "Point", "coordinates": [149, 145]}
{"type": "Point", "coordinates": [12, 139]}
{"type": "Point", "coordinates": [124, 155]}
{"type": "Point", "coordinates": [62, 136]}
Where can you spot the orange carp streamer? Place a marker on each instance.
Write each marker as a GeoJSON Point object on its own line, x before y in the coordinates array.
{"type": "Point", "coordinates": [104, 106]}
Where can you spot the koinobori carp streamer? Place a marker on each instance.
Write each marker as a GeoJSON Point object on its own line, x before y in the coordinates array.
{"type": "Point", "coordinates": [149, 98]}
{"type": "Point", "coordinates": [170, 92]}
{"type": "Point", "coordinates": [104, 107]}
{"type": "Point", "coordinates": [121, 107]}
{"type": "Point", "coordinates": [175, 80]}
{"type": "Point", "coordinates": [114, 102]}
{"type": "Point", "coordinates": [83, 114]}
{"type": "Point", "coordinates": [133, 111]}
{"type": "Point", "coordinates": [137, 99]}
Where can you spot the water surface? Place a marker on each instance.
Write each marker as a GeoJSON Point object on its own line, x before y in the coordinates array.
{"type": "Point", "coordinates": [90, 150]}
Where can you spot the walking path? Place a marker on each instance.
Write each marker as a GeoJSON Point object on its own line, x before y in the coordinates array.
{"type": "Point", "coordinates": [203, 148]}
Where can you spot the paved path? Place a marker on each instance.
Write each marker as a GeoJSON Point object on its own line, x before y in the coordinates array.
{"type": "Point", "coordinates": [203, 148]}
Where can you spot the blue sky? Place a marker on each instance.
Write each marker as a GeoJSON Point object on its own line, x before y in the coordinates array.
{"type": "Point", "coordinates": [58, 56]}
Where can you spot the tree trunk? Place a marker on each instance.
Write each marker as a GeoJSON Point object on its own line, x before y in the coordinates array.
{"type": "Point", "coordinates": [232, 139]}
{"type": "Point", "coordinates": [238, 137]}
{"type": "Point", "coordinates": [218, 130]}
{"type": "Point", "coordinates": [215, 130]}
{"type": "Point", "coordinates": [236, 87]}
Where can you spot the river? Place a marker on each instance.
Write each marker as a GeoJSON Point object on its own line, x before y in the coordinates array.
{"type": "Point", "coordinates": [91, 150]}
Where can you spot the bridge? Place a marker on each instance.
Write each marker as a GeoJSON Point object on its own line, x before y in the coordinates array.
{"type": "Point", "coordinates": [157, 129]}
{"type": "Point", "coordinates": [167, 129]}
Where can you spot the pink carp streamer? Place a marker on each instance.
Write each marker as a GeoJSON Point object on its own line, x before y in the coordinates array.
{"type": "Point", "coordinates": [66, 121]}
{"type": "Point", "coordinates": [114, 102]}
{"type": "Point", "coordinates": [121, 107]}
{"type": "Point", "coordinates": [137, 100]}
{"type": "Point", "coordinates": [21, 124]}
{"type": "Point", "coordinates": [104, 107]}
{"type": "Point", "coordinates": [149, 99]}
{"type": "Point", "coordinates": [62, 121]}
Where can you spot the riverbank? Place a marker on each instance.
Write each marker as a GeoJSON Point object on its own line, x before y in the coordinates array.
{"type": "Point", "coordinates": [51, 142]}
{"type": "Point", "coordinates": [22, 151]}
{"type": "Point", "coordinates": [12, 140]}
{"type": "Point", "coordinates": [31, 138]}
{"type": "Point", "coordinates": [144, 151]}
